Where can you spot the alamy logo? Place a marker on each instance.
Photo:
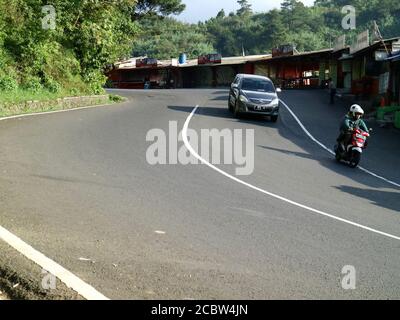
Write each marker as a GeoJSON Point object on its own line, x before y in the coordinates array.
{"type": "Point", "coordinates": [215, 146]}
{"type": "Point", "coordinates": [349, 20]}
{"type": "Point", "coordinates": [349, 279]}
{"type": "Point", "coordinates": [49, 21]}
{"type": "Point", "coordinates": [49, 281]}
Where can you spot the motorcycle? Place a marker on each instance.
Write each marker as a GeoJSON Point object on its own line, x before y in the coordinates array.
{"type": "Point", "coordinates": [352, 152]}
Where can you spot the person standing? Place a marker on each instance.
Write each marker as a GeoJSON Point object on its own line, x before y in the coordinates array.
{"type": "Point", "coordinates": [332, 90]}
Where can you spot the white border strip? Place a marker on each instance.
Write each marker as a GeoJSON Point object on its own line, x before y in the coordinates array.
{"type": "Point", "coordinates": [68, 278]}
{"type": "Point", "coordinates": [50, 112]}
{"type": "Point", "coordinates": [329, 150]}
{"type": "Point", "coordinates": [72, 281]}
{"type": "Point", "coordinates": [197, 156]}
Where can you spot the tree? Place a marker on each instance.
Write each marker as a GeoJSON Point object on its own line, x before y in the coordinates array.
{"type": "Point", "coordinates": [277, 34]}
{"type": "Point", "coordinates": [245, 7]}
{"type": "Point", "coordinates": [221, 14]}
{"type": "Point", "coordinates": [166, 38]}
{"type": "Point", "coordinates": [158, 7]}
{"type": "Point", "coordinates": [89, 35]}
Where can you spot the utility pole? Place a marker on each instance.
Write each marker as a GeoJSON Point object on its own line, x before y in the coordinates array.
{"type": "Point", "coordinates": [378, 34]}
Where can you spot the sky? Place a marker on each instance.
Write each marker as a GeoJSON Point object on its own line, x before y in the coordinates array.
{"type": "Point", "coordinates": [200, 10]}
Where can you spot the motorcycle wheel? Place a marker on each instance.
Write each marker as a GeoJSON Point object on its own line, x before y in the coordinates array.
{"type": "Point", "coordinates": [355, 159]}
{"type": "Point", "coordinates": [337, 153]}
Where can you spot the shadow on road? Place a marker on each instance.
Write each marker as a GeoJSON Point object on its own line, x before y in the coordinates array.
{"type": "Point", "coordinates": [289, 129]}
{"type": "Point", "coordinates": [225, 114]}
{"type": "Point", "coordinates": [386, 199]}
{"type": "Point", "coordinates": [291, 153]}
{"type": "Point", "coordinates": [221, 98]}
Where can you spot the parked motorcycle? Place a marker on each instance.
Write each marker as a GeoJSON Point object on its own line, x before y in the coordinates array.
{"type": "Point", "coordinates": [352, 152]}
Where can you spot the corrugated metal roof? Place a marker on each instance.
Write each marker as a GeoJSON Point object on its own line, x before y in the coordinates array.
{"type": "Point", "coordinates": [228, 61]}
{"type": "Point", "coordinates": [301, 54]}
{"type": "Point", "coordinates": [131, 63]}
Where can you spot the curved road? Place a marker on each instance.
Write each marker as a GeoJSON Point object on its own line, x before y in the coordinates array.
{"type": "Point", "coordinates": [77, 187]}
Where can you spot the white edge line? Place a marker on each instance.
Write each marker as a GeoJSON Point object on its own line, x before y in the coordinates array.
{"type": "Point", "coordinates": [197, 156]}
{"type": "Point", "coordinates": [51, 112]}
{"type": "Point", "coordinates": [68, 278]}
{"type": "Point", "coordinates": [329, 150]}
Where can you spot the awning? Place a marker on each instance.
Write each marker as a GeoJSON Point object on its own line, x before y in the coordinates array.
{"type": "Point", "coordinates": [346, 57]}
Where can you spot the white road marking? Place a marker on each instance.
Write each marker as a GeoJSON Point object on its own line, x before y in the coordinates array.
{"type": "Point", "coordinates": [331, 151]}
{"type": "Point", "coordinates": [51, 112]}
{"type": "Point", "coordinates": [197, 156]}
{"type": "Point", "coordinates": [70, 280]}
{"type": "Point", "coordinates": [159, 232]}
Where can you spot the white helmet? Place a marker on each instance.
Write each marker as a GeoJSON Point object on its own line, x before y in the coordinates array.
{"type": "Point", "coordinates": [356, 109]}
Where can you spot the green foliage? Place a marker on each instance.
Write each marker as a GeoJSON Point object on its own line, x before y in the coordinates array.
{"type": "Point", "coordinates": [309, 28]}
{"type": "Point", "coordinates": [32, 83]}
{"type": "Point", "coordinates": [52, 85]}
{"type": "Point", "coordinates": [166, 38]}
{"type": "Point", "coordinates": [115, 98]}
{"type": "Point", "coordinates": [245, 7]}
{"type": "Point", "coordinates": [158, 7]}
{"type": "Point", "coordinates": [8, 83]}
{"type": "Point", "coordinates": [95, 81]}
{"type": "Point", "coordinates": [89, 36]}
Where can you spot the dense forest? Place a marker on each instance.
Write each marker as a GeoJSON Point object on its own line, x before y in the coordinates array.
{"type": "Point", "coordinates": [66, 48]}
{"type": "Point", "coordinates": [87, 36]}
{"type": "Point", "coordinates": [308, 28]}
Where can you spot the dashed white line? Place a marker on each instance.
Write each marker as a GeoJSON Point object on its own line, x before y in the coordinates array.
{"type": "Point", "coordinates": [197, 156]}
{"type": "Point", "coordinates": [159, 232]}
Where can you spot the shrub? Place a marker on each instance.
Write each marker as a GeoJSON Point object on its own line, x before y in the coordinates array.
{"type": "Point", "coordinates": [74, 92]}
{"type": "Point", "coordinates": [8, 83]}
{"type": "Point", "coordinates": [33, 84]}
{"type": "Point", "coordinates": [115, 98]}
{"type": "Point", "coordinates": [109, 84]}
{"type": "Point", "coordinates": [96, 81]}
{"type": "Point", "coordinates": [52, 85]}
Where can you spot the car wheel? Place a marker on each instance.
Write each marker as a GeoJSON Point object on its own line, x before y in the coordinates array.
{"type": "Point", "coordinates": [230, 105]}
{"type": "Point", "coordinates": [274, 118]}
{"type": "Point", "coordinates": [236, 111]}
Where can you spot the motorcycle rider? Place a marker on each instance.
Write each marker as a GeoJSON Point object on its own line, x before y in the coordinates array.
{"type": "Point", "coordinates": [351, 120]}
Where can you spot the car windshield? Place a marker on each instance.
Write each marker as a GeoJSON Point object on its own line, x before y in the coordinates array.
{"type": "Point", "coordinates": [257, 85]}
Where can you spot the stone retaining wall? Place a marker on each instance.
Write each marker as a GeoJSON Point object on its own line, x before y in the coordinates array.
{"type": "Point", "coordinates": [58, 104]}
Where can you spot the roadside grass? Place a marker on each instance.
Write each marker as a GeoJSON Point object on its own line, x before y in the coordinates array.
{"type": "Point", "coordinates": [21, 101]}
{"type": "Point", "coordinates": [21, 95]}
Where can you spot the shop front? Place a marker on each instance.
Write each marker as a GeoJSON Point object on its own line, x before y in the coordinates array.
{"type": "Point", "coordinates": [297, 70]}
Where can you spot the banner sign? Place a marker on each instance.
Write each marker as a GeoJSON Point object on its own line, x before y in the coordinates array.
{"type": "Point", "coordinates": [362, 42]}
{"type": "Point", "coordinates": [339, 43]}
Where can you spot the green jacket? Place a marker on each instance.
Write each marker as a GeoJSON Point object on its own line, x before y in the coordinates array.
{"type": "Point", "coordinates": [349, 123]}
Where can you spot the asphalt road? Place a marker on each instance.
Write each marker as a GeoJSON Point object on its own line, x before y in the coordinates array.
{"type": "Point", "coordinates": [77, 185]}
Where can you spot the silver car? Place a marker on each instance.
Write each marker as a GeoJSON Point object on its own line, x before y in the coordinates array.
{"type": "Point", "coordinates": [254, 94]}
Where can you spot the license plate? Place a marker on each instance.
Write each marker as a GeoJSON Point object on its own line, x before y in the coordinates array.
{"type": "Point", "coordinates": [261, 108]}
